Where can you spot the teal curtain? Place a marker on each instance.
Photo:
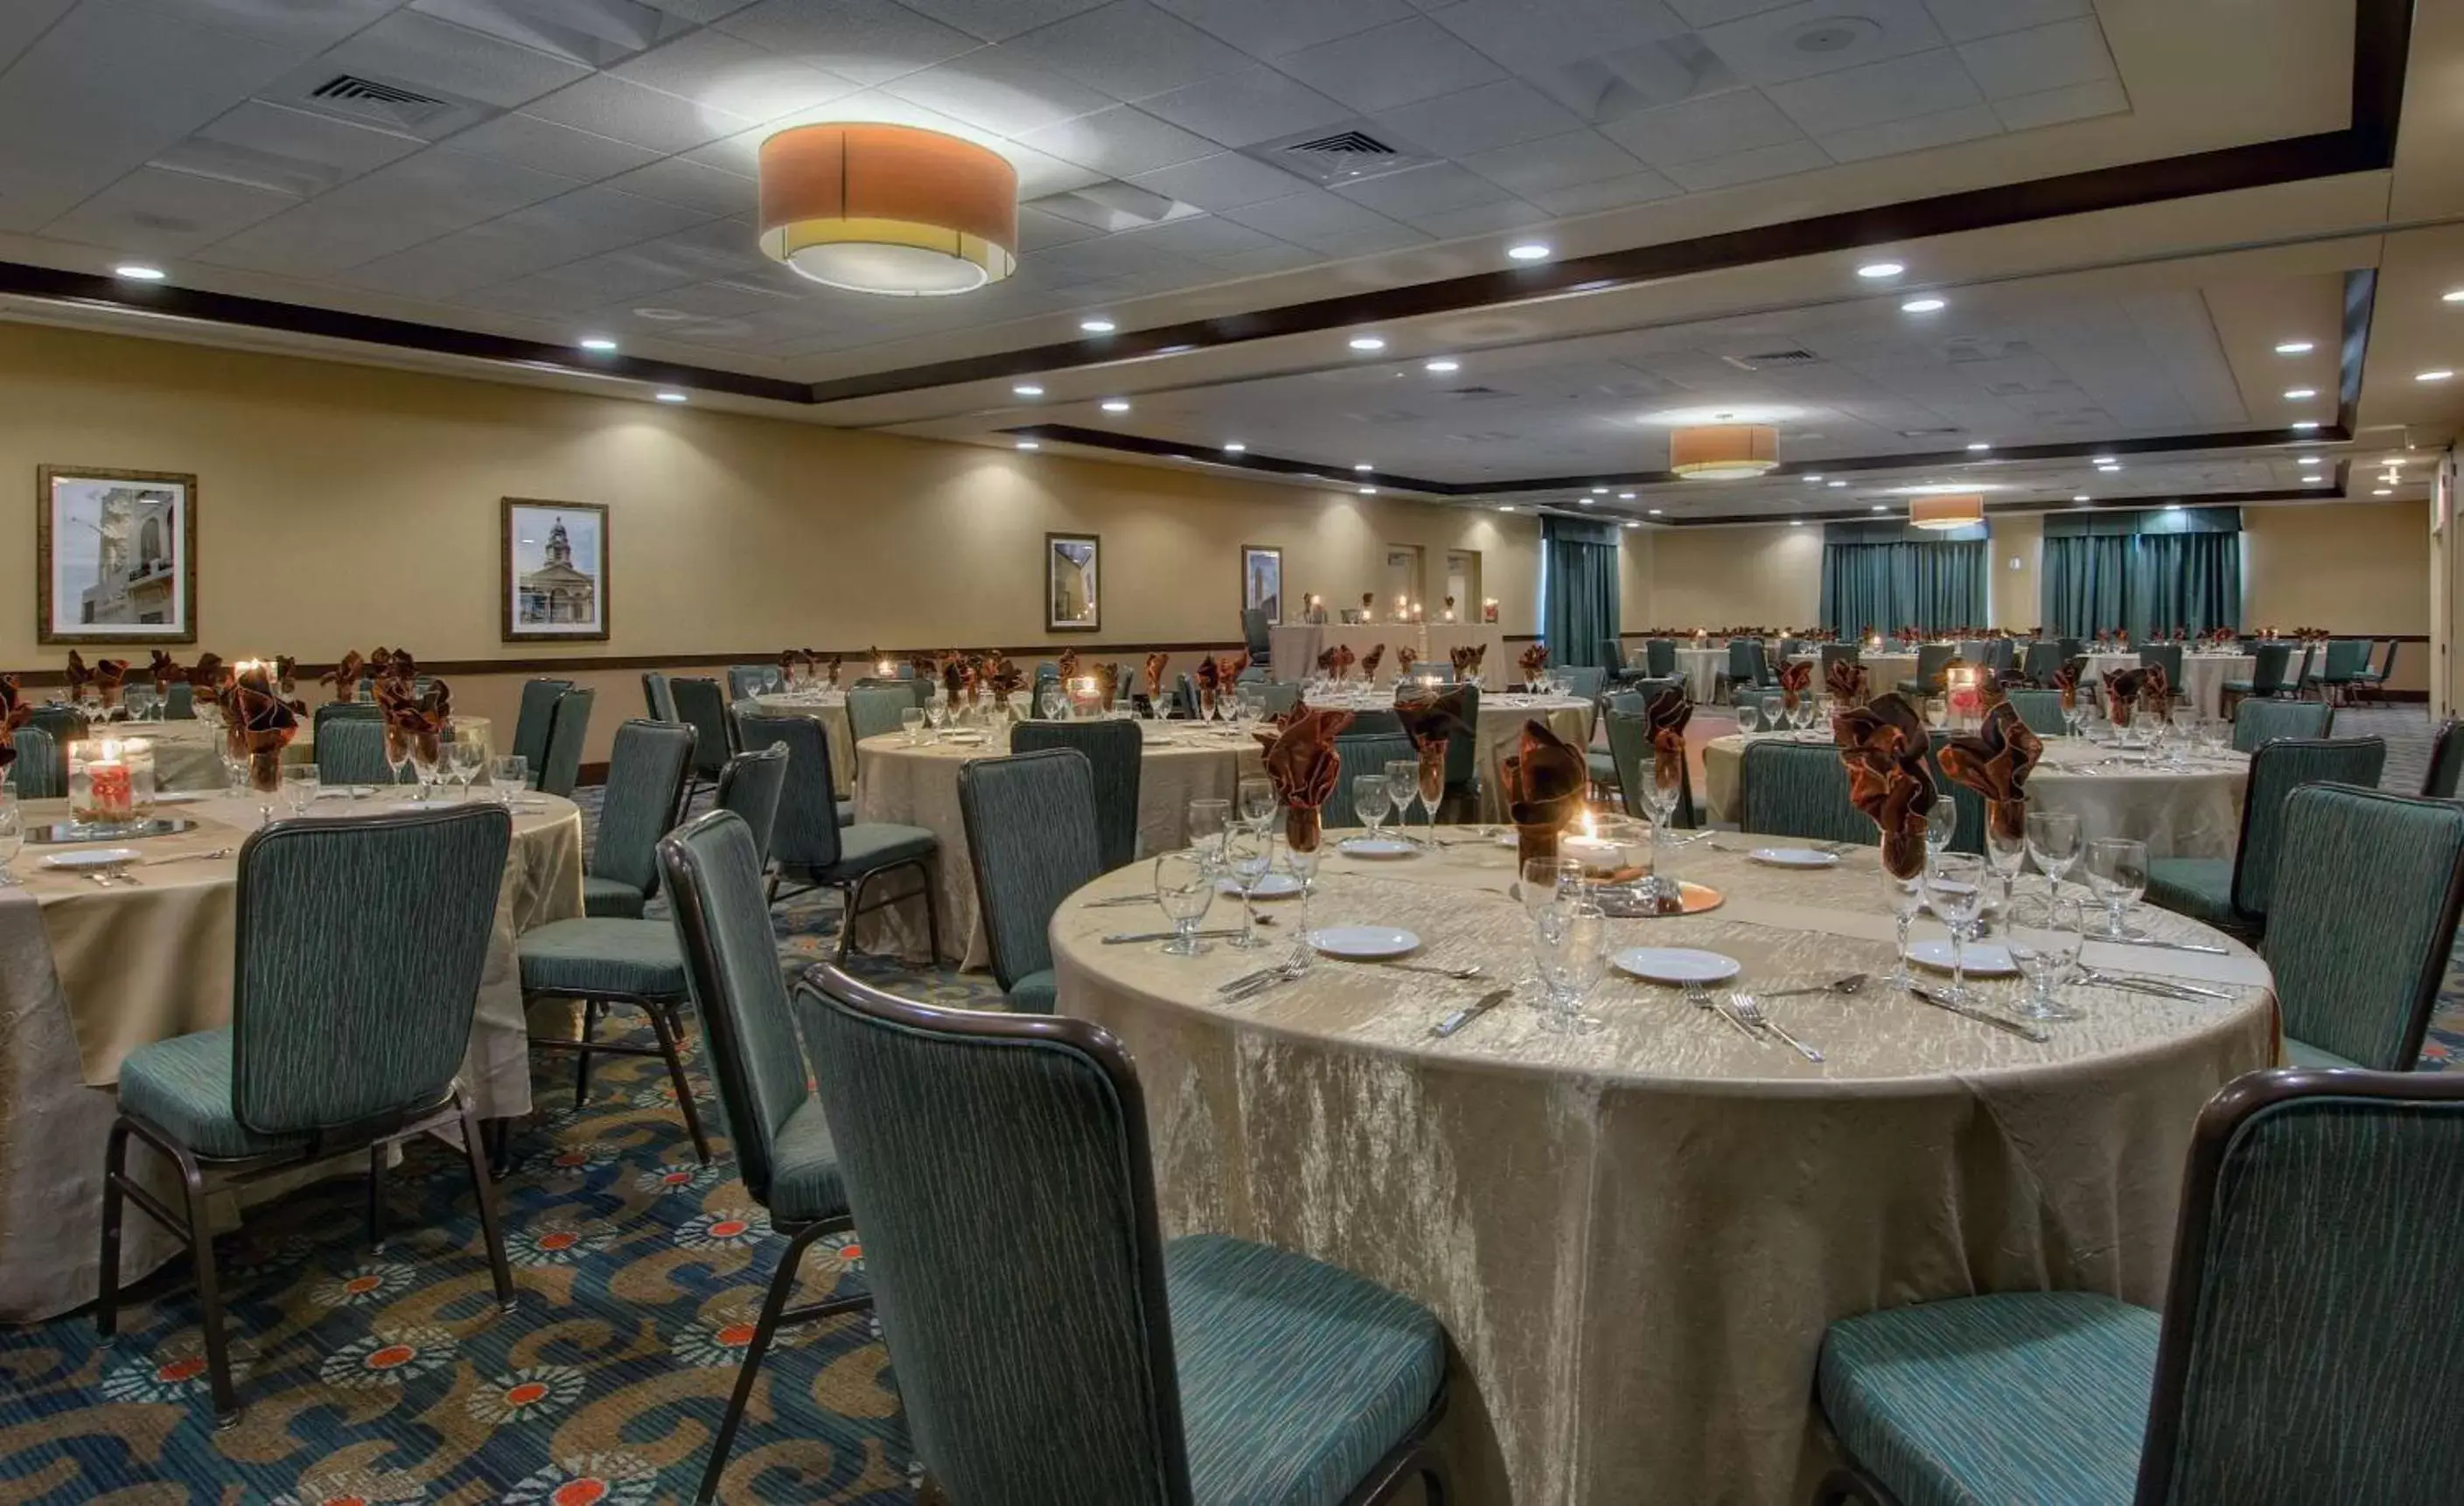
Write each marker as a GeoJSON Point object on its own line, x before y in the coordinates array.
{"type": "Point", "coordinates": [1884, 579]}
{"type": "Point", "coordinates": [2145, 573]}
{"type": "Point", "coordinates": [1578, 590]}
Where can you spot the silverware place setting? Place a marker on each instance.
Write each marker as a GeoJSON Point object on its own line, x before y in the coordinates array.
{"type": "Point", "coordinates": [1470, 1012]}
{"type": "Point", "coordinates": [1748, 1009]}
{"type": "Point", "coordinates": [1844, 987]}
{"type": "Point", "coordinates": [2149, 984]}
{"type": "Point", "coordinates": [1432, 969]}
{"type": "Point", "coordinates": [1983, 1016]}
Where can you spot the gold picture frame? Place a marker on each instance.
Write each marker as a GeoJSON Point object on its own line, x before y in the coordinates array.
{"type": "Point", "coordinates": [115, 556]}
{"type": "Point", "coordinates": [555, 559]}
{"type": "Point", "coordinates": [1073, 600]}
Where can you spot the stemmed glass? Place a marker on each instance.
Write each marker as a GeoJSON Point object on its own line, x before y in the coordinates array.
{"type": "Point", "coordinates": [2007, 856]}
{"type": "Point", "coordinates": [1750, 717]}
{"type": "Point", "coordinates": [936, 712]}
{"type": "Point", "coordinates": [1054, 703]}
{"type": "Point", "coordinates": [1570, 953]}
{"type": "Point", "coordinates": [1431, 775]}
{"type": "Point", "coordinates": [12, 834]}
{"type": "Point", "coordinates": [2117, 874]}
{"type": "Point", "coordinates": [1941, 821]}
{"type": "Point", "coordinates": [1248, 856]}
{"type": "Point", "coordinates": [300, 787]}
{"type": "Point", "coordinates": [1954, 889]}
{"type": "Point", "coordinates": [1545, 881]}
{"type": "Point", "coordinates": [1370, 801]}
{"type": "Point", "coordinates": [509, 777]}
{"type": "Point", "coordinates": [1208, 820]}
{"type": "Point", "coordinates": [2074, 717]}
{"type": "Point", "coordinates": [912, 720]}
{"type": "Point", "coordinates": [1302, 855]}
{"type": "Point", "coordinates": [424, 758]}
{"type": "Point", "coordinates": [1906, 897]}
{"type": "Point", "coordinates": [465, 758]}
{"type": "Point", "coordinates": [1184, 885]}
{"type": "Point", "coordinates": [2053, 844]}
{"type": "Point", "coordinates": [1402, 788]}
{"type": "Point", "coordinates": [1256, 795]}
{"type": "Point", "coordinates": [2044, 934]}
{"type": "Point", "coordinates": [234, 767]}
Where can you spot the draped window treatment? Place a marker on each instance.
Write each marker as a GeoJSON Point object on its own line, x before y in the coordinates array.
{"type": "Point", "coordinates": [2145, 572]}
{"type": "Point", "coordinates": [1578, 590]}
{"type": "Point", "coordinates": [1888, 576]}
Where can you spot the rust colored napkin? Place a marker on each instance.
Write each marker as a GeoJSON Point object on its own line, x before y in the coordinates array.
{"type": "Point", "coordinates": [1228, 668]}
{"type": "Point", "coordinates": [1432, 721]}
{"type": "Point", "coordinates": [344, 677]}
{"type": "Point", "coordinates": [207, 677]}
{"type": "Point", "coordinates": [1206, 677]}
{"type": "Point", "coordinates": [14, 714]}
{"type": "Point", "coordinates": [1543, 781]}
{"type": "Point", "coordinates": [80, 676]}
{"type": "Point", "coordinates": [1994, 762]}
{"type": "Point", "coordinates": [1326, 662]}
{"type": "Point", "coordinates": [1066, 667]}
{"type": "Point", "coordinates": [1466, 661]}
{"type": "Point", "coordinates": [1344, 660]}
{"type": "Point", "coordinates": [1533, 661]}
{"type": "Point", "coordinates": [110, 675]}
{"type": "Point", "coordinates": [1795, 680]}
{"type": "Point", "coordinates": [957, 678]}
{"type": "Point", "coordinates": [1370, 661]}
{"type": "Point", "coordinates": [414, 723]}
{"type": "Point", "coordinates": [1000, 676]}
{"type": "Point", "coordinates": [1847, 681]}
{"type": "Point", "coordinates": [1405, 657]}
{"type": "Point", "coordinates": [1155, 674]}
{"type": "Point", "coordinates": [164, 669]}
{"type": "Point", "coordinates": [1107, 683]}
{"type": "Point", "coordinates": [1884, 744]}
{"type": "Point", "coordinates": [286, 675]}
{"type": "Point", "coordinates": [1666, 714]}
{"type": "Point", "coordinates": [2066, 680]}
{"type": "Point", "coordinates": [262, 724]}
{"type": "Point", "coordinates": [1302, 761]}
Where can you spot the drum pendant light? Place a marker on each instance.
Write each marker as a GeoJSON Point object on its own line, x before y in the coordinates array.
{"type": "Point", "coordinates": [1723, 452]}
{"type": "Point", "coordinates": [892, 209]}
{"type": "Point", "coordinates": [1950, 511]}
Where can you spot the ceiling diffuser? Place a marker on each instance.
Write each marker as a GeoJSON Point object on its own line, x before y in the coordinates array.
{"type": "Point", "coordinates": [1723, 452]}
{"type": "Point", "coordinates": [892, 209]}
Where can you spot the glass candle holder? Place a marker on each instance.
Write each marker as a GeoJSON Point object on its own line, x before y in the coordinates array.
{"type": "Point", "coordinates": [111, 779]}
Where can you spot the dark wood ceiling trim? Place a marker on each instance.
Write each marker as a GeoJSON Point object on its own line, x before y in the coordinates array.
{"type": "Point", "coordinates": [2133, 504]}
{"type": "Point", "coordinates": [2353, 344]}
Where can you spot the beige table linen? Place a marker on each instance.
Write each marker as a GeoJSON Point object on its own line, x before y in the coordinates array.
{"type": "Point", "coordinates": [2178, 813]}
{"type": "Point", "coordinates": [1635, 1238]}
{"type": "Point", "coordinates": [2203, 675]}
{"type": "Point", "coordinates": [89, 974]}
{"type": "Point", "coordinates": [1500, 733]}
{"type": "Point", "coordinates": [1294, 647]}
{"type": "Point", "coordinates": [187, 754]}
{"type": "Point", "coordinates": [909, 785]}
{"type": "Point", "coordinates": [830, 710]}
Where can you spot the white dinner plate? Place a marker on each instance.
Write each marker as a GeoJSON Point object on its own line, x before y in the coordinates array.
{"type": "Point", "coordinates": [182, 796]}
{"type": "Point", "coordinates": [1376, 847]}
{"type": "Point", "coordinates": [1796, 856]}
{"type": "Point", "coordinates": [1363, 941]}
{"type": "Point", "coordinates": [1675, 964]}
{"type": "Point", "coordinates": [967, 738]}
{"type": "Point", "coordinates": [88, 859]}
{"type": "Point", "coordinates": [1985, 959]}
{"type": "Point", "coordinates": [1273, 886]}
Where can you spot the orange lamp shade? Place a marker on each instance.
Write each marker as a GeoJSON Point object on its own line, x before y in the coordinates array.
{"type": "Point", "coordinates": [888, 208]}
{"type": "Point", "coordinates": [1950, 511]}
{"type": "Point", "coordinates": [1723, 452]}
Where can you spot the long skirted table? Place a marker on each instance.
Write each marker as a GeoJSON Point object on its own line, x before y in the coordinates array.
{"type": "Point", "coordinates": [1636, 1237]}
{"type": "Point", "coordinates": [1294, 647]}
{"type": "Point", "coordinates": [89, 974]}
{"type": "Point", "coordinates": [2203, 675]}
{"type": "Point", "coordinates": [829, 708]}
{"type": "Point", "coordinates": [1498, 735]}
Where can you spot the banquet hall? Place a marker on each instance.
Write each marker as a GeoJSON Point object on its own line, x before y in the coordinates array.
{"type": "Point", "coordinates": [1234, 753]}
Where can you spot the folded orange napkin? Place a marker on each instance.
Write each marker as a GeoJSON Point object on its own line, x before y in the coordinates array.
{"type": "Point", "coordinates": [1229, 668]}
{"type": "Point", "coordinates": [1795, 680]}
{"type": "Point", "coordinates": [1533, 661]}
{"type": "Point", "coordinates": [109, 676]}
{"type": "Point", "coordinates": [207, 677]}
{"type": "Point", "coordinates": [1847, 681]}
{"type": "Point", "coordinates": [1066, 667]}
{"type": "Point", "coordinates": [344, 677]}
{"type": "Point", "coordinates": [1666, 714]}
{"type": "Point", "coordinates": [414, 724]}
{"type": "Point", "coordinates": [1107, 683]}
{"type": "Point", "coordinates": [1370, 661]}
{"type": "Point", "coordinates": [1994, 762]}
{"type": "Point", "coordinates": [1405, 657]}
{"type": "Point", "coordinates": [2066, 680]}
{"type": "Point", "coordinates": [164, 669]}
{"type": "Point", "coordinates": [261, 725]}
{"type": "Point", "coordinates": [1432, 722]}
{"type": "Point", "coordinates": [1884, 744]}
{"type": "Point", "coordinates": [80, 676]}
{"type": "Point", "coordinates": [1301, 762]}
{"type": "Point", "coordinates": [1155, 663]}
{"type": "Point", "coordinates": [1543, 781]}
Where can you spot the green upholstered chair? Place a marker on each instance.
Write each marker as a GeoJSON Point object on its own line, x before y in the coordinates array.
{"type": "Point", "coordinates": [332, 712]}
{"type": "Point", "coordinates": [1631, 750]}
{"type": "Point", "coordinates": [1659, 658]}
{"type": "Point", "coordinates": [1375, 723]}
{"type": "Point", "coordinates": [2169, 657]}
{"type": "Point", "coordinates": [1743, 674]}
{"type": "Point", "coordinates": [658, 697]}
{"type": "Point", "coordinates": [1797, 790]}
{"type": "Point", "coordinates": [1584, 682]}
{"type": "Point", "coordinates": [811, 854]}
{"type": "Point", "coordinates": [2373, 678]}
{"type": "Point", "coordinates": [605, 960]}
{"type": "Point", "coordinates": [1032, 836]}
{"type": "Point", "coordinates": [744, 681]}
{"type": "Point", "coordinates": [40, 770]}
{"type": "Point", "coordinates": [2302, 1352]}
{"type": "Point", "coordinates": [645, 791]}
{"type": "Point", "coordinates": [804, 796]}
{"type": "Point", "coordinates": [180, 703]}
{"type": "Point", "coordinates": [351, 751]}
{"type": "Point", "coordinates": [2446, 761]}
{"type": "Point", "coordinates": [752, 785]}
{"type": "Point", "coordinates": [1256, 639]}
{"type": "Point", "coordinates": [2268, 672]}
{"type": "Point", "coordinates": [775, 1123]}
{"type": "Point", "coordinates": [1278, 697]}
{"type": "Point", "coordinates": [1092, 1362]}
{"type": "Point", "coordinates": [2040, 661]}
{"type": "Point", "coordinates": [2360, 929]}
{"type": "Point", "coordinates": [1933, 669]}
{"type": "Point", "coordinates": [2070, 648]}
{"type": "Point", "coordinates": [2257, 721]}
{"type": "Point", "coordinates": [2040, 712]}
{"type": "Point", "coordinates": [330, 1048]}
{"type": "Point", "coordinates": [2345, 658]}
{"type": "Point", "coordinates": [1115, 753]}
{"type": "Point", "coordinates": [1362, 753]}
{"type": "Point", "coordinates": [2232, 893]}
{"type": "Point", "coordinates": [1833, 654]}
{"type": "Point", "coordinates": [874, 710]}
{"type": "Point", "coordinates": [702, 706]}
{"type": "Point", "coordinates": [533, 722]}
{"type": "Point", "coordinates": [566, 732]}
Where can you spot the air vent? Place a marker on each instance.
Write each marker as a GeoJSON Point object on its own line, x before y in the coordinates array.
{"type": "Point", "coordinates": [1929, 433]}
{"type": "Point", "coordinates": [1351, 151]}
{"type": "Point", "coordinates": [1764, 360]}
{"type": "Point", "coordinates": [1475, 393]}
{"type": "Point", "coordinates": [385, 103]}
{"type": "Point", "coordinates": [1345, 143]}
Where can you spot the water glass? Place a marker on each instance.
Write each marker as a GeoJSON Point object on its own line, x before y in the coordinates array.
{"type": "Point", "coordinates": [1185, 885]}
{"type": "Point", "coordinates": [1954, 890]}
{"type": "Point", "coordinates": [466, 757]}
{"type": "Point", "coordinates": [1370, 802]}
{"type": "Point", "coordinates": [300, 787]}
{"type": "Point", "coordinates": [2053, 844]}
{"type": "Point", "coordinates": [912, 720]}
{"type": "Point", "coordinates": [1546, 881]}
{"type": "Point", "coordinates": [1749, 715]}
{"type": "Point", "coordinates": [1570, 953]}
{"type": "Point", "coordinates": [1433, 790]}
{"type": "Point", "coordinates": [1402, 788]}
{"type": "Point", "coordinates": [12, 834]}
{"type": "Point", "coordinates": [1248, 856]}
{"type": "Point", "coordinates": [509, 775]}
{"type": "Point", "coordinates": [2044, 934]}
{"type": "Point", "coordinates": [2117, 874]}
{"type": "Point", "coordinates": [936, 712]}
{"type": "Point", "coordinates": [1942, 821]}
{"type": "Point", "coordinates": [1906, 897]}
{"type": "Point", "coordinates": [2007, 856]}
{"type": "Point", "coordinates": [1208, 820]}
{"type": "Point", "coordinates": [1256, 798]}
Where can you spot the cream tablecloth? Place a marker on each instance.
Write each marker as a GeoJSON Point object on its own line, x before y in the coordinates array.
{"type": "Point", "coordinates": [2203, 674]}
{"type": "Point", "coordinates": [1295, 646]}
{"type": "Point", "coordinates": [88, 974]}
{"type": "Point", "coordinates": [1500, 733]}
{"type": "Point", "coordinates": [918, 786]}
{"type": "Point", "coordinates": [830, 710]}
{"type": "Point", "coordinates": [187, 754]}
{"type": "Point", "coordinates": [1636, 1238]}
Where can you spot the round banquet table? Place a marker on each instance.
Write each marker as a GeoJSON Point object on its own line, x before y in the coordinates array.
{"type": "Point", "coordinates": [2194, 811]}
{"type": "Point", "coordinates": [908, 784]}
{"type": "Point", "coordinates": [1636, 1237]}
{"type": "Point", "coordinates": [89, 974]}
{"type": "Point", "coordinates": [1700, 667]}
{"type": "Point", "coordinates": [829, 708]}
{"type": "Point", "coordinates": [1500, 733]}
{"type": "Point", "coordinates": [2205, 674]}
{"type": "Point", "coordinates": [187, 754]}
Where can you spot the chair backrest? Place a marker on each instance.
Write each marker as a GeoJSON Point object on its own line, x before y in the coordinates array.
{"type": "Point", "coordinates": [1361, 755]}
{"type": "Point", "coordinates": [1462, 749]}
{"type": "Point", "coordinates": [537, 714]}
{"type": "Point", "coordinates": [2446, 761]}
{"type": "Point", "coordinates": [2358, 931]}
{"type": "Point", "coordinates": [1031, 836]}
{"type": "Point", "coordinates": [1278, 697]}
{"type": "Point", "coordinates": [805, 835]}
{"type": "Point", "coordinates": [1048, 1374]}
{"type": "Point", "coordinates": [1659, 657]}
{"type": "Point", "coordinates": [180, 703]}
{"type": "Point", "coordinates": [2387, 665]}
{"type": "Point", "coordinates": [65, 723]}
{"type": "Point", "coordinates": [1999, 652]}
{"type": "Point", "coordinates": [1933, 665]}
{"type": "Point", "coordinates": [2345, 656]}
{"type": "Point", "coordinates": [2040, 711]}
{"type": "Point", "coordinates": [1833, 654]}
{"type": "Point", "coordinates": [2070, 648]}
{"type": "Point", "coordinates": [328, 1036]}
{"type": "Point", "coordinates": [1745, 661]}
{"type": "Point", "coordinates": [1797, 790]}
{"type": "Point", "coordinates": [2170, 656]}
{"type": "Point", "coordinates": [751, 786]}
{"type": "Point", "coordinates": [658, 697]}
{"type": "Point", "coordinates": [41, 769]}
{"type": "Point", "coordinates": [1115, 753]}
{"type": "Point", "coordinates": [1585, 682]}
{"type": "Point", "coordinates": [874, 710]}
{"type": "Point", "coordinates": [2257, 721]}
{"type": "Point", "coordinates": [351, 750]}
{"type": "Point", "coordinates": [566, 735]}
{"type": "Point", "coordinates": [1378, 723]}
{"type": "Point", "coordinates": [2041, 661]}
{"type": "Point", "coordinates": [747, 679]}
{"type": "Point", "coordinates": [332, 712]}
{"type": "Point", "coordinates": [1254, 636]}
{"type": "Point", "coordinates": [646, 787]}
{"type": "Point", "coordinates": [2277, 769]}
{"type": "Point", "coordinates": [702, 706]}
{"type": "Point", "coordinates": [2310, 1335]}
{"type": "Point", "coordinates": [2270, 667]}
{"type": "Point", "coordinates": [1629, 750]}
{"type": "Point", "coordinates": [714, 890]}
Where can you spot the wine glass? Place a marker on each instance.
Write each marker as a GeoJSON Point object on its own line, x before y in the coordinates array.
{"type": "Point", "coordinates": [1942, 823]}
{"type": "Point", "coordinates": [1907, 896]}
{"type": "Point", "coordinates": [1569, 947]}
{"type": "Point", "coordinates": [509, 775]}
{"type": "Point", "coordinates": [234, 767]}
{"type": "Point", "coordinates": [1432, 773]}
{"type": "Point", "coordinates": [2074, 717]}
{"type": "Point", "coordinates": [1402, 788]}
{"type": "Point", "coordinates": [1302, 855]}
{"type": "Point", "coordinates": [300, 787]}
{"type": "Point", "coordinates": [1248, 856]}
{"type": "Point", "coordinates": [1954, 890]}
{"type": "Point", "coordinates": [936, 712]}
{"type": "Point", "coordinates": [1053, 703]}
{"type": "Point", "coordinates": [912, 719]}
{"type": "Point", "coordinates": [2006, 854]}
{"type": "Point", "coordinates": [2044, 934]}
{"type": "Point", "coordinates": [1256, 798]}
{"type": "Point", "coordinates": [1750, 717]}
{"type": "Point", "coordinates": [12, 834]}
{"type": "Point", "coordinates": [2117, 874]}
{"type": "Point", "coordinates": [1545, 881]}
{"type": "Point", "coordinates": [425, 755]}
{"type": "Point", "coordinates": [1185, 885]}
{"type": "Point", "coordinates": [1208, 820]}
{"type": "Point", "coordinates": [2053, 844]}
{"type": "Point", "coordinates": [466, 757]}
{"type": "Point", "coordinates": [1370, 801]}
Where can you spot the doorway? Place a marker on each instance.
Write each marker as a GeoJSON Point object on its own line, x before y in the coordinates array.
{"type": "Point", "coordinates": [1462, 584]}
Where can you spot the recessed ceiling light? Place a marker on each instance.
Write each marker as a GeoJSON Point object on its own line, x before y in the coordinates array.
{"type": "Point", "coordinates": [2293, 347]}
{"type": "Point", "coordinates": [2108, 468]}
{"type": "Point", "coordinates": [1881, 507]}
{"type": "Point", "coordinates": [1882, 268]}
{"type": "Point", "coordinates": [1796, 522]}
{"type": "Point", "coordinates": [2306, 425]}
{"type": "Point", "coordinates": [2100, 460]}
{"type": "Point", "coordinates": [1097, 326]}
{"type": "Point", "coordinates": [138, 272]}
{"type": "Point", "coordinates": [598, 343]}
{"type": "Point", "coordinates": [1922, 306]}
{"type": "Point", "coordinates": [1235, 447]}
{"type": "Point", "coordinates": [1599, 492]}
{"type": "Point", "coordinates": [1441, 365]}
{"type": "Point", "coordinates": [1834, 483]}
{"type": "Point", "coordinates": [1631, 523]}
{"type": "Point", "coordinates": [1625, 496]}
{"type": "Point", "coordinates": [1814, 476]}
{"type": "Point", "coordinates": [2081, 497]}
{"type": "Point", "coordinates": [1586, 501]}
{"type": "Point", "coordinates": [1367, 342]}
{"type": "Point", "coordinates": [1367, 492]}
{"type": "Point", "coordinates": [2315, 477]}
{"type": "Point", "coordinates": [1117, 404]}
{"type": "Point", "coordinates": [1529, 251]}
{"type": "Point", "coordinates": [2300, 394]}
{"type": "Point", "coordinates": [2441, 374]}
{"type": "Point", "coordinates": [1026, 389]}
{"type": "Point", "coordinates": [1364, 466]}
{"type": "Point", "coordinates": [1507, 507]}
{"type": "Point", "coordinates": [1028, 443]}
{"type": "Point", "coordinates": [1655, 512]}
{"type": "Point", "coordinates": [2381, 492]}
{"type": "Point", "coordinates": [1979, 445]}
{"type": "Point", "coordinates": [2172, 507]}
{"type": "Point", "coordinates": [2307, 460]}
{"type": "Point", "coordinates": [669, 396]}
{"type": "Point", "coordinates": [2451, 295]}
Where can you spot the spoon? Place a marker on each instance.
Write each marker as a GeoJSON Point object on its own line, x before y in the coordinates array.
{"type": "Point", "coordinates": [1840, 986]}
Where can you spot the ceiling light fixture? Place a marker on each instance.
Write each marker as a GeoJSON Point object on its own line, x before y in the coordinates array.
{"type": "Point", "coordinates": [1881, 507]}
{"type": "Point", "coordinates": [2317, 477]}
{"type": "Point", "coordinates": [2172, 507]}
{"type": "Point", "coordinates": [1599, 492]}
{"type": "Point", "coordinates": [2307, 424]}
{"type": "Point", "coordinates": [1625, 496]}
{"type": "Point", "coordinates": [2307, 460]}
{"type": "Point", "coordinates": [1723, 452]}
{"type": "Point", "coordinates": [1028, 443]}
{"type": "Point", "coordinates": [1796, 522]}
{"type": "Point", "coordinates": [1937, 512]}
{"type": "Point", "coordinates": [2300, 394]}
{"type": "Point", "coordinates": [596, 343]}
{"type": "Point", "coordinates": [1978, 445]}
{"type": "Point", "coordinates": [895, 209]}
{"type": "Point", "coordinates": [2442, 374]}
{"type": "Point", "coordinates": [1097, 326]}
{"type": "Point", "coordinates": [1655, 512]}
{"type": "Point", "coordinates": [1367, 343]}
{"type": "Point", "coordinates": [1879, 270]}
{"type": "Point", "coordinates": [1814, 476]}
{"type": "Point", "coordinates": [2381, 492]}
{"type": "Point", "coordinates": [669, 396]}
{"type": "Point", "coordinates": [138, 272]}
{"type": "Point", "coordinates": [1364, 466]}
{"type": "Point", "coordinates": [2451, 295]}
{"type": "Point", "coordinates": [1834, 483]}
{"type": "Point", "coordinates": [1026, 389]}
{"type": "Point", "coordinates": [2293, 347]}
{"type": "Point", "coordinates": [1922, 306]}
{"type": "Point", "coordinates": [1586, 502]}
{"type": "Point", "coordinates": [1441, 365]}
{"type": "Point", "coordinates": [1367, 492]}
{"type": "Point", "coordinates": [1507, 507]}
{"type": "Point", "coordinates": [1117, 404]}
{"type": "Point", "coordinates": [1235, 447]}
{"type": "Point", "coordinates": [1529, 251]}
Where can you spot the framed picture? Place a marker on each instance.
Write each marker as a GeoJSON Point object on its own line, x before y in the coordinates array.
{"type": "Point", "coordinates": [1073, 572]}
{"type": "Point", "coordinates": [555, 571]}
{"type": "Point", "coordinates": [115, 556]}
{"type": "Point", "coordinates": [1261, 581]}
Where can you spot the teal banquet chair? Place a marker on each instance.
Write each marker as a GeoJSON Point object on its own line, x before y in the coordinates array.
{"type": "Point", "coordinates": [533, 722]}
{"type": "Point", "coordinates": [2169, 657]}
{"type": "Point", "coordinates": [752, 785]}
{"type": "Point", "coordinates": [805, 796]}
{"type": "Point", "coordinates": [1033, 836]}
{"type": "Point", "coordinates": [1630, 749]}
{"type": "Point", "coordinates": [2040, 712]}
{"type": "Point", "coordinates": [1115, 752]}
{"type": "Point", "coordinates": [330, 1048]}
{"type": "Point", "coordinates": [1797, 790]}
{"type": "Point", "coordinates": [703, 706]}
{"type": "Point", "coordinates": [1933, 671]}
{"type": "Point", "coordinates": [40, 771]}
{"type": "Point", "coordinates": [1360, 754]}
{"type": "Point", "coordinates": [745, 681]}
{"type": "Point", "coordinates": [2234, 894]}
{"type": "Point", "coordinates": [2269, 663]}
{"type": "Point", "coordinates": [658, 697]}
{"type": "Point", "coordinates": [645, 789]}
{"type": "Point", "coordinates": [1093, 1362]}
{"type": "Point", "coordinates": [809, 854]}
{"type": "Point", "coordinates": [2256, 722]}
{"type": "Point", "coordinates": [566, 732]}
{"type": "Point", "coordinates": [351, 751]}
{"type": "Point", "coordinates": [2446, 761]}
{"type": "Point", "coordinates": [874, 710]}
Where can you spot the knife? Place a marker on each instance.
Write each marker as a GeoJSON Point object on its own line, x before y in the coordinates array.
{"type": "Point", "coordinates": [2169, 946]}
{"type": "Point", "coordinates": [1980, 1016]}
{"type": "Point", "coordinates": [1123, 938]}
{"type": "Point", "coordinates": [1471, 1012]}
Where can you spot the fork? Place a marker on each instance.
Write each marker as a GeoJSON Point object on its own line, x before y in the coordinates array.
{"type": "Point", "coordinates": [1700, 997]}
{"type": "Point", "coordinates": [1746, 1008]}
{"type": "Point", "coordinates": [1295, 964]}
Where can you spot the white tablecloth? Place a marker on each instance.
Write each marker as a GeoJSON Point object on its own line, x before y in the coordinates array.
{"type": "Point", "coordinates": [1295, 646]}
{"type": "Point", "coordinates": [828, 709]}
{"type": "Point", "coordinates": [2203, 674]}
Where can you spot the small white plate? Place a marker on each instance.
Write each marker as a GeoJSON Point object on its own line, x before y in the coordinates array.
{"type": "Point", "coordinates": [1985, 958]}
{"type": "Point", "coordinates": [967, 738]}
{"type": "Point", "coordinates": [87, 860]}
{"type": "Point", "coordinates": [1376, 847]}
{"type": "Point", "coordinates": [1676, 965]}
{"type": "Point", "coordinates": [182, 796]}
{"type": "Point", "coordinates": [1364, 941]}
{"type": "Point", "coordinates": [1273, 886]}
{"type": "Point", "coordinates": [1796, 856]}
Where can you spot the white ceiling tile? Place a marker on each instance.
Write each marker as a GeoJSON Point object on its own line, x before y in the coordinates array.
{"type": "Point", "coordinates": [701, 12]}
{"type": "Point", "coordinates": [302, 28]}
{"type": "Point", "coordinates": [664, 122]}
{"type": "Point", "coordinates": [998, 20]}
{"type": "Point", "coordinates": [443, 186]}
{"type": "Point", "coordinates": [1556, 162]}
{"type": "Point", "coordinates": [1310, 212]}
{"type": "Point", "coordinates": [285, 150]}
{"type": "Point", "coordinates": [2054, 106]}
{"type": "Point", "coordinates": [537, 296]}
{"type": "Point", "coordinates": [530, 141]}
{"type": "Point", "coordinates": [1921, 84]}
{"type": "Point", "coordinates": [1226, 181]}
{"type": "Point", "coordinates": [1130, 50]}
{"type": "Point", "coordinates": [995, 90]}
{"type": "Point", "coordinates": [718, 249]}
{"type": "Point", "coordinates": [1966, 20]}
{"type": "Point", "coordinates": [1526, 38]}
{"type": "Point", "coordinates": [1272, 28]}
{"type": "Point", "coordinates": [1040, 173]}
{"type": "Point", "coordinates": [1244, 108]}
{"type": "Point", "coordinates": [1280, 257]}
{"type": "Point", "coordinates": [1120, 140]}
{"type": "Point", "coordinates": [2046, 57]}
{"type": "Point", "coordinates": [1108, 256]}
{"type": "Point", "coordinates": [616, 274]}
{"type": "Point", "coordinates": [597, 33]}
{"type": "Point", "coordinates": [1915, 134]}
{"type": "Point", "coordinates": [1480, 119]}
{"type": "Point", "coordinates": [166, 213]}
{"type": "Point", "coordinates": [426, 52]}
{"type": "Point", "coordinates": [451, 265]}
{"type": "Point", "coordinates": [1610, 193]}
{"type": "Point", "coordinates": [713, 68]}
{"type": "Point", "coordinates": [1750, 166]}
{"type": "Point", "coordinates": [723, 299]}
{"type": "Point", "coordinates": [1711, 13]}
{"type": "Point", "coordinates": [1203, 235]}
{"type": "Point", "coordinates": [1486, 218]}
{"type": "Point", "coordinates": [676, 180]}
{"type": "Point", "coordinates": [1390, 66]}
{"type": "Point", "coordinates": [1422, 191]}
{"type": "Point", "coordinates": [1799, 40]}
{"type": "Point", "coordinates": [1368, 242]}
{"type": "Point", "coordinates": [23, 21]}
{"type": "Point", "coordinates": [598, 218]}
{"type": "Point", "coordinates": [870, 41]}
{"type": "Point", "coordinates": [740, 154]}
{"type": "Point", "coordinates": [1722, 126]}
{"type": "Point", "coordinates": [1037, 229]}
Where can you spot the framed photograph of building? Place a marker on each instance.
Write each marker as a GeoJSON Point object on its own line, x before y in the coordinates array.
{"type": "Point", "coordinates": [115, 556]}
{"type": "Point", "coordinates": [1072, 572]}
{"type": "Point", "coordinates": [555, 571]}
{"type": "Point", "coordinates": [1261, 581]}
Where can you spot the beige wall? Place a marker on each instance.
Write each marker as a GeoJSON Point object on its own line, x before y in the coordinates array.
{"type": "Point", "coordinates": [2354, 567]}
{"type": "Point", "coordinates": [340, 506]}
{"type": "Point", "coordinates": [1722, 577]}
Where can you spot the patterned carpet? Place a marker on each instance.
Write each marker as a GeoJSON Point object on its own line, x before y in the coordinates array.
{"type": "Point", "coordinates": [388, 1376]}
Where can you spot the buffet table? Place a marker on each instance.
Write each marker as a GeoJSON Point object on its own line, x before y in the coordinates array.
{"type": "Point", "coordinates": [1295, 646]}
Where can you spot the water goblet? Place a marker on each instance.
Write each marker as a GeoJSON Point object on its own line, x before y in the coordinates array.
{"type": "Point", "coordinates": [1208, 820]}
{"type": "Point", "coordinates": [466, 756]}
{"type": "Point", "coordinates": [1954, 890]}
{"type": "Point", "coordinates": [912, 720]}
{"type": "Point", "coordinates": [936, 712]}
{"type": "Point", "coordinates": [1906, 897]}
{"type": "Point", "coordinates": [1185, 885]}
{"type": "Point", "coordinates": [2053, 844]}
{"type": "Point", "coordinates": [2117, 874]}
{"type": "Point", "coordinates": [1402, 788]}
{"type": "Point", "coordinates": [1302, 853]}
{"type": "Point", "coordinates": [508, 776]}
{"type": "Point", "coordinates": [1750, 717]}
{"type": "Point", "coordinates": [1256, 798]}
{"type": "Point", "coordinates": [300, 787]}
{"type": "Point", "coordinates": [1942, 823]}
{"type": "Point", "coordinates": [1248, 856]}
{"type": "Point", "coordinates": [1370, 802]}
{"type": "Point", "coordinates": [2044, 934]}
{"type": "Point", "coordinates": [1545, 881]}
{"type": "Point", "coordinates": [1571, 957]}
{"type": "Point", "coordinates": [426, 759]}
{"type": "Point", "coordinates": [2006, 854]}
{"type": "Point", "coordinates": [12, 834]}
{"type": "Point", "coordinates": [1433, 790]}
